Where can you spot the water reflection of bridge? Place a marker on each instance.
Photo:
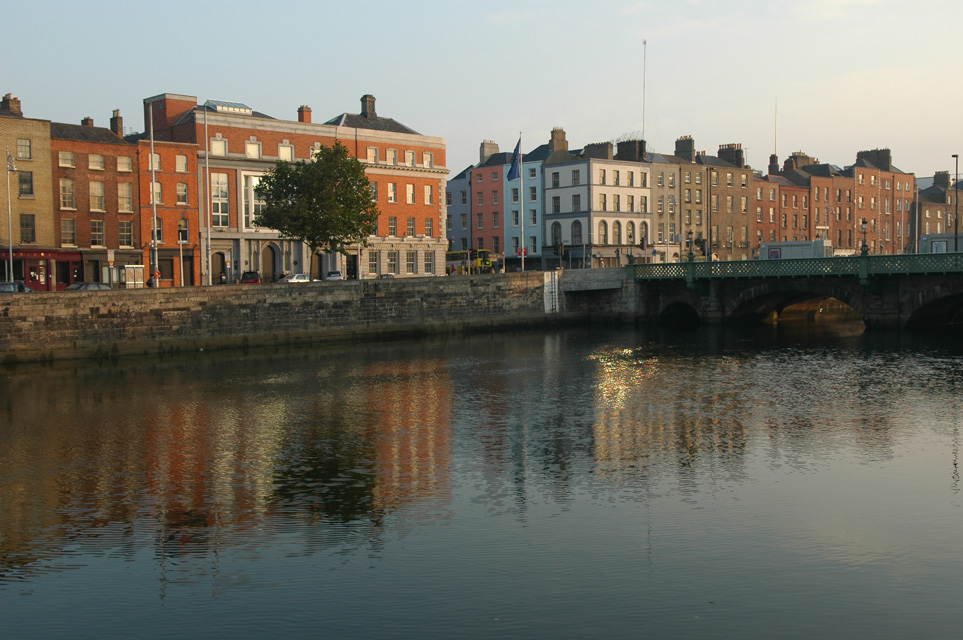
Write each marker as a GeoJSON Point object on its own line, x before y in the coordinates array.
{"type": "Point", "coordinates": [900, 291]}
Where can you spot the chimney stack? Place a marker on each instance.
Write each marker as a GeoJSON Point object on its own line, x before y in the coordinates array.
{"type": "Point", "coordinates": [773, 165]}
{"type": "Point", "coordinates": [733, 154]}
{"type": "Point", "coordinates": [117, 123]}
{"type": "Point", "coordinates": [368, 107]}
{"type": "Point", "coordinates": [304, 113]}
{"type": "Point", "coordinates": [87, 122]}
{"type": "Point", "coordinates": [11, 104]}
{"type": "Point", "coordinates": [486, 150]}
{"type": "Point", "coordinates": [685, 148]}
{"type": "Point", "coordinates": [557, 142]}
{"type": "Point", "coordinates": [942, 179]}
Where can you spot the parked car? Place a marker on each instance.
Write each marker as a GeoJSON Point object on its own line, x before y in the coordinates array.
{"type": "Point", "coordinates": [296, 277]}
{"type": "Point", "coordinates": [386, 276]}
{"type": "Point", "coordinates": [333, 275]}
{"type": "Point", "coordinates": [17, 286]}
{"type": "Point", "coordinates": [88, 286]}
{"type": "Point", "coordinates": [251, 277]}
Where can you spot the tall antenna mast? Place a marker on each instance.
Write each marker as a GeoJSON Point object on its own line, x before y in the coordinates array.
{"type": "Point", "coordinates": [776, 143]}
{"type": "Point", "coordinates": [643, 89]}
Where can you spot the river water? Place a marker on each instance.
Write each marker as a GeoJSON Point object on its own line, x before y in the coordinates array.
{"type": "Point", "coordinates": [586, 483]}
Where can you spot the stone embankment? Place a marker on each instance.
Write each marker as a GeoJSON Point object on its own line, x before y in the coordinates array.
{"type": "Point", "coordinates": [52, 326]}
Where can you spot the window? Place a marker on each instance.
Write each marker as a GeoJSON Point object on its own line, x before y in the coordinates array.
{"type": "Point", "coordinates": [744, 204]}
{"type": "Point", "coordinates": [556, 204]}
{"type": "Point", "coordinates": [429, 195]}
{"type": "Point", "coordinates": [392, 225]}
{"type": "Point", "coordinates": [155, 162]}
{"type": "Point", "coordinates": [496, 247]}
{"type": "Point", "coordinates": [481, 198]}
{"type": "Point", "coordinates": [576, 232]}
{"type": "Point", "coordinates": [158, 193]}
{"type": "Point", "coordinates": [410, 193]}
{"type": "Point", "coordinates": [698, 178]}
{"type": "Point", "coordinates": [603, 233]}
{"type": "Point", "coordinates": [430, 227]}
{"type": "Point", "coordinates": [125, 200]}
{"type": "Point", "coordinates": [427, 160]}
{"type": "Point", "coordinates": [515, 218]}
{"type": "Point", "coordinates": [531, 173]}
{"type": "Point", "coordinates": [533, 216]}
{"type": "Point", "coordinates": [24, 149]}
{"type": "Point", "coordinates": [728, 178]}
{"type": "Point", "coordinates": [494, 197]}
{"type": "Point", "coordinates": [672, 180]}
{"type": "Point", "coordinates": [374, 259]}
{"type": "Point", "coordinates": [126, 233]}
{"type": "Point", "coordinates": [631, 203]}
{"type": "Point", "coordinates": [181, 193]}
{"type": "Point", "coordinates": [411, 262]}
{"type": "Point", "coordinates": [602, 202]}
{"type": "Point", "coordinates": [252, 149]}
{"type": "Point", "coordinates": [630, 233]}
{"type": "Point", "coordinates": [478, 177]}
{"type": "Point", "coordinates": [68, 232]}
{"type": "Point", "coordinates": [158, 230]}
{"type": "Point", "coordinates": [464, 197]}
{"type": "Point", "coordinates": [392, 192]}
{"type": "Point", "coordinates": [631, 178]}
{"type": "Point", "coordinates": [28, 229]}
{"type": "Point", "coordinates": [555, 179]}
{"type": "Point", "coordinates": [661, 180]}
{"type": "Point", "coordinates": [745, 181]}
{"type": "Point", "coordinates": [464, 221]}
{"type": "Point", "coordinates": [180, 163]}
{"type": "Point", "coordinates": [392, 157]}
{"type": "Point", "coordinates": [479, 221]}
{"type": "Point", "coordinates": [66, 159]}
{"type": "Point", "coordinates": [374, 191]}
{"type": "Point", "coordinates": [411, 226]}
{"type": "Point", "coordinates": [97, 233]}
{"type": "Point", "coordinates": [514, 194]}
{"type": "Point", "coordinates": [409, 158]}
{"type": "Point", "coordinates": [26, 184]}
{"type": "Point", "coordinates": [688, 195]}
{"type": "Point", "coordinates": [96, 195]}
{"type": "Point", "coordinates": [430, 262]}
{"type": "Point", "coordinates": [218, 147]}
{"type": "Point", "coordinates": [615, 177]}
{"type": "Point", "coordinates": [533, 193]}
{"type": "Point", "coordinates": [95, 161]}
{"type": "Point", "coordinates": [253, 205]}
{"type": "Point", "coordinates": [372, 155]}
{"type": "Point", "coordinates": [576, 177]}
{"type": "Point", "coordinates": [393, 262]}
{"type": "Point", "coordinates": [286, 152]}
{"type": "Point", "coordinates": [124, 163]}
{"type": "Point", "coordinates": [67, 194]}
{"type": "Point", "coordinates": [494, 220]}
{"type": "Point", "coordinates": [576, 202]}
{"type": "Point", "coordinates": [447, 199]}
{"type": "Point", "coordinates": [220, 203]}
{"type": "Point", "coordinates": [601, 176]}
{"type": "Point", "coordinates": [616, 233]}
{"type": "Point", "coordinates": [182, 229]}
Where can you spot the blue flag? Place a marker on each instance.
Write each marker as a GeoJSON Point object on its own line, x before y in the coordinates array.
{"type": "Point", "coordinates": [513, 171]}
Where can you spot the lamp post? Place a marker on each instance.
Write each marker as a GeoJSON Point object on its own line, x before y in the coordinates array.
{"type": "Point", "coordinates": [864, 250]}
{"type": "Point", "coordinates": [691, 255]}
{"type": "Point", "coordinates": [956, 198]}
{"type": "Point", "coordinates": [181, 241]}
{"type": "Point", "coordinates": [10, 168]}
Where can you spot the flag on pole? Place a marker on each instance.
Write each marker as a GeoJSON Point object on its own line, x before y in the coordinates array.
{"type": "Point", "coordinates": [514, 170]}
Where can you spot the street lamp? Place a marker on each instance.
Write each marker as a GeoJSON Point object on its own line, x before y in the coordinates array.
{"type": "Point", "coordinates": [864, 250]}
{"type": "Point", "coordinates": [10, 168]}
{"type": "Point", "coordinates": [956, 198]}
{"type": "Point", "coordinates": [691, 254]}
{"type": "Point", "coordinates": [181, 241]}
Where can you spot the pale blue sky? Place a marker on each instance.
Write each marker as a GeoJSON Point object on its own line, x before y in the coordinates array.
{"type": "Point", "coordinates": [847, 74]}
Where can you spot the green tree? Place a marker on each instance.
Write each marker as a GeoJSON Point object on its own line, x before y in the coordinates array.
{"type": "Point", "coordinates": [326, 203]}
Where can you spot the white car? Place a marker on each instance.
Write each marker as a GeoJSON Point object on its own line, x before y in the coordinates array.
{"type": "Point", "coordinates": [333, 275]}
{"type": "Point", "coordinates": [297, 277]}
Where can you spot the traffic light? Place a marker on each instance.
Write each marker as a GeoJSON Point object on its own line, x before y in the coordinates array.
{"type": "Point", "coordinates": [559, 249]}
{"type": "Point", "coordinates": [642, 244]}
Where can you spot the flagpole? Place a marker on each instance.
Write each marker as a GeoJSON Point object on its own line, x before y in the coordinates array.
{"type": "Point", "coordinates": [521, 178]}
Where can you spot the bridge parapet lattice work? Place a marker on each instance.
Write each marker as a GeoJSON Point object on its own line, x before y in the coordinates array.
{"type": "Point", "coordinates": [907, 264]}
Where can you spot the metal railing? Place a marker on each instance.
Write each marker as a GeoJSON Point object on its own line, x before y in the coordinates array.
{"type": "Point", "coordinates": [863, 266]}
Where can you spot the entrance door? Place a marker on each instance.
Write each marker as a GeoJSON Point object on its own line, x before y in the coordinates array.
{"type": "Point", "coordinates": [268, 260]}
{"type": "Point", "coordinates": [218, 273]}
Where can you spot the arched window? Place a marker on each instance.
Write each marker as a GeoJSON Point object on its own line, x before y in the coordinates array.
{"type": "Point", "coordinates": [182, 231]}
{"type": "Point", "coordinates": [603, 233]}
{"type": "Point", "coordinates": [630, 233]}
{"type": "Point", "coordinates": [616, 232]}
{"type": "Point", "coordinates": [576, 232]}
{"type": "Point", "coordinates": [556, 233]}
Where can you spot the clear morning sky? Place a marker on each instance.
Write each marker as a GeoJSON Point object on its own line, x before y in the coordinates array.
{"type": "Point", "coordinates": [847, 74]}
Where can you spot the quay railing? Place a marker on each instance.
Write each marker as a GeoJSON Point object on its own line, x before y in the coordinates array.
{"type": "Point", "coordinates": [858, 265]}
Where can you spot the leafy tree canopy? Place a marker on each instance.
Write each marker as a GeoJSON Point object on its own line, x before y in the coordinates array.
{"type": "Point", "coordinates": [326, 203]}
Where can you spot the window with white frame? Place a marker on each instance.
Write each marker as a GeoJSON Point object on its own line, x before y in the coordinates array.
{"type": "Point", "coordinates": [286, 152]}
{"type": "Point", "coordinates": [24, 149]}
{"type": "Point", "coordinates": [374, 262]}
{"type": "Point", "coordinates": [429, 263]}
{"type": "Point", "coordinates": [533, 216]}
{"type": "Point", "coordinates": [155, 162]}
{"type": "Point", "coordinates": [66, 159]}
{"type": "Point", "coordinates": [124, 164]}
{"type": "Point", "coordinates": [411, 262]}
{"type": "Point", "coordinates": [531, 173]}
{"type": "Point", "coordinates": [252, 149]}
{"type": "Point", "coordinates": [218, 146]}
{"type": "Point", "coordinates": [427, 160]}
{"type": "Point", "coordinates": [68, 232]}
{"type": "Point", "coordinates": [252, 204]}
{"type": "Point", "coordinates": [181, 193]}
{"type": "Point", "coordinates": [372, 155]}
{"type": "Point", "coordinates": [409, 158]}
{"type": "Point", "coordinates": [220, 202]}
{"type": "Point", "coordinates": [393, 262]}
{"type": "Point", "coordinates": [411, 227]}
{"type": "Point", "coordinates": [410, 193]}
{"type": "Point", "coordinates": [95, 162]}
{"type": "Point", "coordinates": [28, 228]}
{"type": "Point", "coordinates": [392, 225]}
{"type": "Point", "coordinates": [97, 233]}
{"type": "Point", "coordinates": [392, 156]}
{"type": "Point", "coordinates": [430, 227]}
{"type": "Point", "coordinates": [392, 192]}
{"type": "Point", "coordinates": [158, 193]}
{"type": "Point", "coordinates": [67, 194]}
{"type": "Point", "coordinates": [96, 195]}
{"type": "Point", "coordinates": [125, 233]}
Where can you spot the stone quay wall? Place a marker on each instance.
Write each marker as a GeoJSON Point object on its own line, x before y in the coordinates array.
{"type": "Point", "coordinates": [60, 325]}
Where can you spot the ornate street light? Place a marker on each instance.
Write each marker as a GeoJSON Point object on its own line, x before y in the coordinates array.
{"type": "Point", "coordinates": [956, 198]}
{"type": "Point", "coordinates": [691, 254]}
{"type": "Point", "coordinates": [864, 250]}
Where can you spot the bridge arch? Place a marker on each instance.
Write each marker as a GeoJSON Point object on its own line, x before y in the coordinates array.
{"type": "Point", "coordinates": [758, 301]}
{"type": "Point", "coordinates": [937, 305]}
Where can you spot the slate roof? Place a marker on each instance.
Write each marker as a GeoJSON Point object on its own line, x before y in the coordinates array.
{"type": "Point", "coordinates": [713, 161]}
{"type": "Point", "coordinates": [80, 133]}
{"type": "Point", "coordinates": [358, 121]}
{"type": "Point", "coordinates": [498, 159]}
{"type": "Point", "coordinates": [463, 174]}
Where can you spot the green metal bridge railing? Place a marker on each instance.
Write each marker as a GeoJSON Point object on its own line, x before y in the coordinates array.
{"type": "Point", "coordinates": [862, 266]}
